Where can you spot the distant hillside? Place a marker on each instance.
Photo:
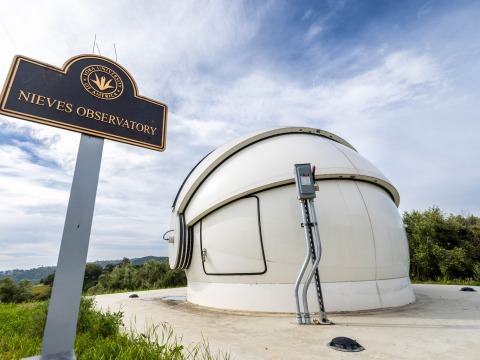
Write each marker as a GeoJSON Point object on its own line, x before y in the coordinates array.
{"type": "Point", "coordinates": [134, 261]}
{"type": "Point", "coordinates": [34, 275]}
{"type": "Point", "coordinates": [41, 272]}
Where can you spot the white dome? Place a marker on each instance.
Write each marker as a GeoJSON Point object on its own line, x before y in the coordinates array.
{"type": "Point", "coordinates": [237, 230]}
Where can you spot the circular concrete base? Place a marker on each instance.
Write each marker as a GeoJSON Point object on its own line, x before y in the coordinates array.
{"type": "Point", "coordinates": [343, 296]}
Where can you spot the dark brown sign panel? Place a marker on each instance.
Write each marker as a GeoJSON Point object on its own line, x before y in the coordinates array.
{"type": "Point", "coordinates": [89, 94]}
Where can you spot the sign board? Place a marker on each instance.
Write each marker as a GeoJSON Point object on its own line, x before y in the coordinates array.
{"type": "Point", "coordinates": [90, 94]}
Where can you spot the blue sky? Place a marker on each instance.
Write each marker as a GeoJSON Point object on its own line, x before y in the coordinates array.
{"type": "Point", "coordinates": [399, 80]}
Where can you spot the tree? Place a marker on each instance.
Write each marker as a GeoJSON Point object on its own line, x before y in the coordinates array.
{"type": "Point", "coordinates": [7, 290]}
{"type": "Point", "coordinates": [24, 291]}
{"type": "Point", "coordinates": [109, 268]}
{"type": "Point", "coordinates": [93, 271]}
{"type": "Point", "coordinates": [443, 246]}
{"type": "Point", "coordinates": [125, 261]}
{"type": "Point", "coordinates": [151, 275]}
{"type": "Point", "coordinates": [13, 293]}
{"type": "Point", "coordinates": [48, 280]}
{"type": "Point", "coordinates": [175, 278]}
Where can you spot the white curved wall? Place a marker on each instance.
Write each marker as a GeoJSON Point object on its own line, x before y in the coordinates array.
{"type": "Point", "coordinates": [364, 251]}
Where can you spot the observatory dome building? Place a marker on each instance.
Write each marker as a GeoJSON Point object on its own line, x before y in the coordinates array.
{"type": "Point", "coordinates": [237, 226]}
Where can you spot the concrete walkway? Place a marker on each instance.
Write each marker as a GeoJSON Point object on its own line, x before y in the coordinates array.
{"type": "Point", "coordinates": [444, 323]}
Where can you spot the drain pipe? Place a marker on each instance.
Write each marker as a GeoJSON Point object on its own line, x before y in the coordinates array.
{"type": "Point", "coordinates": [304, 266]}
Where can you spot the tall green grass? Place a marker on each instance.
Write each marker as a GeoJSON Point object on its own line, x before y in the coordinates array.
{"type": "Point", "coordinates": [444, 281]}
{"type": "Point", "coordinates": [98, 336]}
{"type": "Point", "coordinates": [21, 329]}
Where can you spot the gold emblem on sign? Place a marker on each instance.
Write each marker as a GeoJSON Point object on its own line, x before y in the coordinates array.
{"type": "Point", "coordinates": [101, 82]}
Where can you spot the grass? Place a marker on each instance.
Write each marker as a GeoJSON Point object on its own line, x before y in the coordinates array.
{"type": "Point", "coordinates": [443, 281]}
{"type": "Point", "coordinates": [21, 329]}
{"type": "Point", "coordinates": [41, 292]}
{"type": "Point", "coordinates": [98, 336]}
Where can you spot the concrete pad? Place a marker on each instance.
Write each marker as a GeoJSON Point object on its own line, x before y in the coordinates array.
{"type": "Point", "coordinates": [443, 323]}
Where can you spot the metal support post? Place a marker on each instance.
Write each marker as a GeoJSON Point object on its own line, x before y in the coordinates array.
{"type": "Point", "coordinates": [60, 329]}
{"type": "Point", "coordinates": [305, 181]}
{"type": "Point", "coordinates": [304, 266]}
{"type": "Point", "coordinates": [322, 313]}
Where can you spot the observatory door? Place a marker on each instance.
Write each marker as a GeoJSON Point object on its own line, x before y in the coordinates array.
{"type": "Point", "coordinates": [231, 240]}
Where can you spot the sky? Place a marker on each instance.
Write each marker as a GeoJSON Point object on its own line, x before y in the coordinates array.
{"type": "Point", "coordinates": [399, 80]}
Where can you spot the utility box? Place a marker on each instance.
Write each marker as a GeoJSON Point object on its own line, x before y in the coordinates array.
{"type": "Point", "coordinates": [305, 181]}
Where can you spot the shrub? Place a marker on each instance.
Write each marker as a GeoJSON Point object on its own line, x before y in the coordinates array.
{"type": "Point", "coordinates": [441, 246]}
{"type": "Point", "coordinates": [13, 293]}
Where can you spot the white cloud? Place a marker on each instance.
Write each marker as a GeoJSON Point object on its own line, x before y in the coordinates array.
{"type": "Point", "coordinates": [313, 31]}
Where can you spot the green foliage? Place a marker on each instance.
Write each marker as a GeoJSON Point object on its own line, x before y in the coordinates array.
{"type": "Point", "coordinates": [98, 336]}
{"type": "Point", "coordinates": [39, 273]}
{"type": "Point", "coordinates": [13, 293]}
{"type": "Point", "coordinates": [48, 280]}
{"type": "Point", "coordinates": [93, 271]}
{"type": "Point", "coordinates": [97, 324]}
{"type": "Point", "coordinates": [21, 329]}
{"type": "Point", "coordinates": [122, 277]}
{"type": "Point", "coordinates": [443, 247]}
{"type": "Point", "coordinates": [41, 292]}
{"type": "Point", "coordinates": [151, 275]}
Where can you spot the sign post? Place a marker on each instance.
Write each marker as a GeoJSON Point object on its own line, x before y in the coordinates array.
{"type": "Point", "coordinates": [97, 97]}
{"type": "Point", "coordinates": [61, 325]}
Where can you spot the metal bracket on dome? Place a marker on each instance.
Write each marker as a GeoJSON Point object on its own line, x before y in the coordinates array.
{"type": "Point", "coordinates": [170, 238]}
{"type": "Point", "coordinates": [185, 244]}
